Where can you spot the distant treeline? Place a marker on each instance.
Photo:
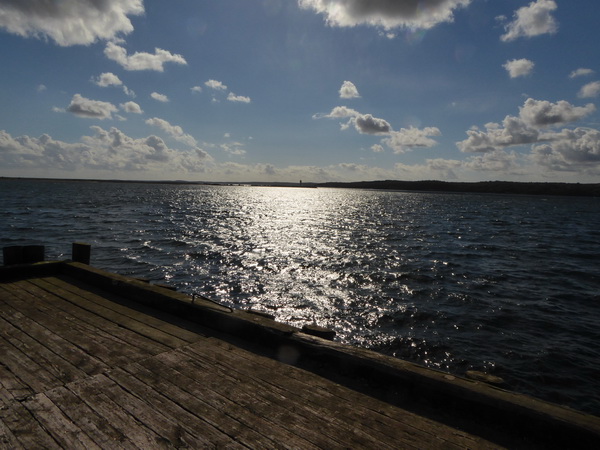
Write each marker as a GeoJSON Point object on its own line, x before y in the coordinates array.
{"type": "Point", "coordinates": [487, 187]}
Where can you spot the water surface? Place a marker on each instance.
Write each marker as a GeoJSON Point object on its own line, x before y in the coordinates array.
{"type": "Point", "coordinates": [509, 285]}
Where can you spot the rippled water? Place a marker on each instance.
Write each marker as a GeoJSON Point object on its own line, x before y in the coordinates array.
{"type": "Point", "coordinates": [509, 285]}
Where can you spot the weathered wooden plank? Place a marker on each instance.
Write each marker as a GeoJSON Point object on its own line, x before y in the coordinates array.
{"type": "Point", "coordinates": [26, 369]}
{"type": "Point", "coordinates": [11, 387]}
{"type": "Point", "coordinates": [300, 387]}
{"type": "Point", "coordinates": [305, 414]}
{"type": "Point", "coordinates": [376, 418]}
{"type": "Point", "coordinates": [7, 438]}
{"type": "Point", "coordinates": [252, 404]}
{"type": "Point", "coordinates": [25, 428]}
{"type": "Point", "coordinates": [93, 392]}
{"type": "Point", "coordinates": [168, 431]}
{"type": "Point", "coordinates": [193, 429]}
{"type": "Point", "coordinates": [72, 353]}
{"type": "Point", "coordinates": [55, 364]}
{"type": "Point", "coordinates": [88, 337]}
{"type": "Point", "coordinates": [60, 427]}
{"type": "Point", "coordinates": [168, 323]}
{"type": "Point", "coordinates": [219, 411]}
{"type": "Point", "coordinates": [68, 302]}
{"type": "Point", "coordinates": [125, 317]}
{"type": "Point", "coordinates": [99, 429]}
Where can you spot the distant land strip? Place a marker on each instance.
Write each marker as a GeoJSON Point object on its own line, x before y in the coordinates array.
{"type": "Point", "coordinates": [482, 187]}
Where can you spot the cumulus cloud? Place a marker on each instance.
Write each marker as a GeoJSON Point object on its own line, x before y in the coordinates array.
{"type": "Point", "coordinates": [446, 167]}
{"type": "Point", "coordinates": [387, 14]}
{"type": "Point", "coordinates": [590, 90]}
{"type": "Point", "coordinates": [69, 22]}
{"type": "Point", "coordinates": [542, 113]}
{"type": "Point", "coordinates": [338, 112]}
{"type": "Point", "coordinates": [530, 127]}
{"type": "Point", "coordinates": [519, 67]}
{"type": "Point", "coordinates": [570, 150]}
{"type": "Point", "coordinates": [142, 60]}
{"type": "Point", "coordinates": [409, 138]}
{"type": "Point", "coordinates": [159, 97]}
{"type": "Point", "coordinates": [233, 148]}
{"type": "Point", "coordinates": [532, 20]}
{"type": "Point", "coordinates": [495, 161]}
{"type": "Point", "coordinates": [107, 79]}
{"type": "Point", "coordinates": [91, 109]}
{"type": "Point", "coordinates": [131, 107]}
{"type": "Point", "coordinates": [348, 90]}
{"type": "Point", "coordinates": [214, 84]}
{"type": "Point", "coordinates": [367, 124]}
{"type": "Point", "coordinates": [399, 141]}
{"type": "Point", "coordinates": [196, 89]}
{"type": "Point", "coordinates": [237, 98]}
{"type": "Point", "coordinates": [581, 72]}
{"type": "Point", "coordinates": [175, 131]}
{"type": "Point", "coordinates": [106, 150]}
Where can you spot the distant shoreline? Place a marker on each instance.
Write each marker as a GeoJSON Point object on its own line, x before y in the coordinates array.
{"type": "Point", "coordinates": [482, 187]}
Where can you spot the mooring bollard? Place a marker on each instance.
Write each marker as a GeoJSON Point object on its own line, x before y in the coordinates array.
{"type": "Point", "coordinates": [23, 254]}
{"type": "Point", "coordinates": [81, 252]}
{"type": "Point", "coordinates": [12, 255]}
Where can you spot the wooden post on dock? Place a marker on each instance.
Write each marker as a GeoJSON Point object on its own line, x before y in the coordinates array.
{"type": "Point", "coordinates": [12, 255]}
{"type": "Point", "coordinates": [23, 254]}
{"type": "Point", "coordinates": [81, 252]}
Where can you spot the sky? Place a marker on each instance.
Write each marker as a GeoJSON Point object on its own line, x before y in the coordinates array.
{"type": "Point", "coordinates": [289, 90]}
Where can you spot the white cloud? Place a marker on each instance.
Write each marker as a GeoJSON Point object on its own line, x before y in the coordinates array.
{"type": "Point", "coordinates": [238, 98]}
{"type": "Point", "coordinates": [196, 89]}
{"type": "Point", "coordinates": [41, 88]}
{"type": "Point", "coordinates": [233, 148]}
{"type": "Point", "coordinates": [105, 150]}
{"type": "Point", "coordinates": [570, 150]}
{"type": "Point", "coordinates": [377, 148]}
{"type": "Point", "coordinates": [159, 97]}
{"type": "Point", "coordinates": [175, 131]}
{"type": "Point", "coordinates": [387, 14]}
{"type": "Point", "coordinates": [128, 92]}
{"type": "Point", "coordinates": [364, 123]}
{"type": "Point", "coordinates": [338, 112]}
{"type": "Point", "coordinates": [131, 107]}
{"type": "Point", "coordinates": [581, 72]}
{"type": "Point", "coordinates": [494, 161]}
{"type": "Point", "coordinates": [107, 79]}
{"type": "Point", "coordinates": [519, 67]}
{"type": "Point", "coordinates": [91, 109]}
{"type": "Point", "coordinates": [446, 167]}
{"type": "Point", "coordinates": [542, 113]}
{"type": "Point", "coordinates": [399, 141]}
{"type": "Point", "coordinates": [532, 20]}
{"type": "Point", "coordinates": [69, 22]}
{"type": "Point", "coordinates": [534, 117]}
{"type": "Point", "coordinates": [348, 90]}
{"type": "Point", "coordinates": [367, 124]}
{"type": "Point", "coordinates": [217, 85]}
{"type": "Point", "coordinates": [590, 90]}
{"type": "Point", "coordinates": [142, 60]}
{"type": "Point", "coordinates": [409, 138]}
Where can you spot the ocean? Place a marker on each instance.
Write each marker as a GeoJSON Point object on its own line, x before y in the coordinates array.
{"type": "Point", "coordinates": [504, 284]}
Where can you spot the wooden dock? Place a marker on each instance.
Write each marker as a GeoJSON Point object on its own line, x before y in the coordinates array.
{"type": "Point", "coordinates": [90, 359]}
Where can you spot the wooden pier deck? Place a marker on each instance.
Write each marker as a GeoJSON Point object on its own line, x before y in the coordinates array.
{"type": "Point", "coordinates": [94, 360]}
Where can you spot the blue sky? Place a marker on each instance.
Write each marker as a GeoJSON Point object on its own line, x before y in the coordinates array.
{"type": "Point", "coordinates": [288, 90]}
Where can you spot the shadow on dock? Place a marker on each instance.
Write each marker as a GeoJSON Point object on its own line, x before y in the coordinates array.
{"type": "Point", "coordinates": [91, 358]}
